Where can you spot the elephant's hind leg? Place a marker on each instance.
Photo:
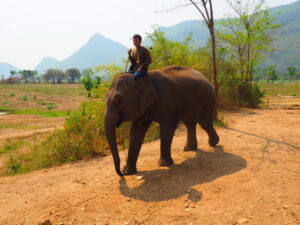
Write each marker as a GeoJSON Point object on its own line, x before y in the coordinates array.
{"type": "Point", "coordinates": [137, 134]}
{"type": "Point", "coordinates": [191, 143]}
{"type": "Point", "coordinates": [206, 122]}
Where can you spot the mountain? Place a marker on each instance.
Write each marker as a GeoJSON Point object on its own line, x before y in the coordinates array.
{"type": "Point", "coordinates": [5, 69]}
{"type": "Point", "coordinates": [287, 46]}
{"type": "Point", "coordinates": [178, 32]}
{"type": "Point", "coordinates": [98, 50]}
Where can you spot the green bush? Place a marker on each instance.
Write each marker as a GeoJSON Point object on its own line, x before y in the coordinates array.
{"type": "Point", "coordinates": [24, 97]}
{"type": "Point", "coordinates": [82, 137]}
{"type": "Point", "coordinates": [237, 92]}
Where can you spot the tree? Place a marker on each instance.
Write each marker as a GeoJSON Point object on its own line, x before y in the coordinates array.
{"type": "Point", "coordinates": [54, 76]}
{"type": "Point", "coordinates": [272, 73]}
{"type": "Point", "coordinates": [87, 80]}
{"type": "Point", "coordinates": [167, 52]}
{"type": "Point", "coordinates": [73, 74]}
{"type": "Point", "coordinates": [29, 75]}
{"type": "Point", "coordinates": [12, 73]}
{"type": "Point", "coordinates": [291, 72]}
{"type": "Point", "coordinates": [249, 34]}
{"type": "Point", "coordinates": [106, 72]}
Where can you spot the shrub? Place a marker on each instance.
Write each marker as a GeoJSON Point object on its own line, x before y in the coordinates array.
{"type": "Point", "coordinates": [82, 137]}
{"type": "Point", "coordinates": [237, 92]}
{"type": "Point", "coordinates": [24, 97]}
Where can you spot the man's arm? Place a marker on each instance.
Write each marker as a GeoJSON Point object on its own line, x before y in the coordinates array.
{"type": "Point", "coordinates": [130, 56]}
{"type": "Point", "coordinates": [147, 62]}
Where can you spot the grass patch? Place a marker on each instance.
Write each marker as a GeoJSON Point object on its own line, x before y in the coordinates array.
{"type": "Point", "coordinates": [48, 89]}
{"type": "Point", "coordinates": [9, 146]}
{"type": "Point", "coordinates": [280, 89]}
{"type": "Point", "coordinates": [41, 113]}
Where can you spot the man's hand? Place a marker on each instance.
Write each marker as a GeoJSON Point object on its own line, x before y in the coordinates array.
{"type": "Point", "coordinates": [129, 51]}
{"type": "Point", "coordinates": [139, 69]}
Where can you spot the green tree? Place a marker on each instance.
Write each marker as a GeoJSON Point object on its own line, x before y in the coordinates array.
{"type": "Point", "coordinates": [167, 52]}
{"type": "Point", "coordinates": [12, 73]}
{"type": "Point", "coordinates": [29, 75]}
{"type": "Point", "coordinates": [54, 76]}
{"type": "Point", "coordinates": [106, 72]}
{"type": "Point", "coordinates": [272, 73]}
{"type": "Point", "coordinates": [73, 74]}
{"type": "Point", "coordinates": [87, 80]}
{"type": "Point", "coordinates": [248, 34]}
{"type": "Point", "coordinates": [291, 72]}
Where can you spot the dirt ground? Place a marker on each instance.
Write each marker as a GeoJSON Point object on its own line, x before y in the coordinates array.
{"type": "Point", "coordinates": [251, 177]}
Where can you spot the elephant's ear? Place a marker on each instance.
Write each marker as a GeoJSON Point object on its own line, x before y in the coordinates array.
{"type": "Point", "coordinates": [148, 95]}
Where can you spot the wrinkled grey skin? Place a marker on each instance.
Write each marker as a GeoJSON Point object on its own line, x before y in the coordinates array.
{"type": "Point", "coordinates": [167, 96]}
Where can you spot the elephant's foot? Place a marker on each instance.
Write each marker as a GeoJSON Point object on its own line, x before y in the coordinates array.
{"type": "Point", "coordinates": [165, 162]}
{"type": "Point", "coordinates": [191, 147]}
{"type": "Point", "coordinates": [213, 139]}
{"type": "Point", "coordinates": [129, 169]}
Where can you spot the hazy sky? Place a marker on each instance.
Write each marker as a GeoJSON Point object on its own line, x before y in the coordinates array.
{"type": "Point", "coordinates": [33, 29]}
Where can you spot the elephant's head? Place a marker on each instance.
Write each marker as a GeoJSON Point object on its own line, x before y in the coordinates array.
{"type": "Point", "coordinates": [127, 100]}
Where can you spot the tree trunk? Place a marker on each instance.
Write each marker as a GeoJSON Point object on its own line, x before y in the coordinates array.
{"type": "Point", "coordinates": [214, 70]}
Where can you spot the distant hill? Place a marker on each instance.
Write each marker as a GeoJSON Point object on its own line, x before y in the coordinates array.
{"type": "Point", "coordinates": [287, 47]}
{"type": "Point", "coordinates": [179, 32]}
{"type": "Point", "coordinates": [5, 69]}
{"type": "Point", "coordinates": [98, 50]}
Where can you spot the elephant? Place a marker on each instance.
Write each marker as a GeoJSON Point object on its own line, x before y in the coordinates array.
{"type": "Point", "coordinates": [166, 96]}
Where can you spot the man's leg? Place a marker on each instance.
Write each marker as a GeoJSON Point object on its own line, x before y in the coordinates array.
{"type": "Point", "coordinates": [138, 74]}
{"type": "Point", "coordinates": [130, 71]}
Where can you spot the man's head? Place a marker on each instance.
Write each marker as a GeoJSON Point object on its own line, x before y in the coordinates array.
{"type": "Point", "coordinates": [137, 40]}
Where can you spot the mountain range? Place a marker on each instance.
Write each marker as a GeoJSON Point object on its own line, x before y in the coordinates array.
{"type": "Point", "coordinates": [101, 50]}
{"type": "Point", "coordinates": [5, 69]}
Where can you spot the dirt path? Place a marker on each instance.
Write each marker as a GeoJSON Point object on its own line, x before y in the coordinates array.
{"type": "Point", "coordinates": [252, 177]}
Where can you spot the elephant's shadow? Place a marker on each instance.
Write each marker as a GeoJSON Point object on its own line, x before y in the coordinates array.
{"type": "Point", "coordinates": [178, 180]}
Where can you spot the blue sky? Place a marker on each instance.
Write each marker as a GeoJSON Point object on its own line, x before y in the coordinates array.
{"type": "Point", "coordinates": [33, 29]}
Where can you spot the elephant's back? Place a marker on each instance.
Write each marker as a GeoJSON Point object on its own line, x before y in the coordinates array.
{"type": "Point", "coordinates": [184, 78]}
{"type": "Point", "coordinates": [185, 88]}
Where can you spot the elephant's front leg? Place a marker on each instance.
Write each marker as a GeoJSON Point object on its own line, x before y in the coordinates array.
{"type": "Point", "coordinates": [137, 134]}
{"type": "Point", "coordinates": [167, 129]}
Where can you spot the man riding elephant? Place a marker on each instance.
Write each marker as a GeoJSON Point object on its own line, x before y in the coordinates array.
{"type": "Point", "coordinates": [139, 57]}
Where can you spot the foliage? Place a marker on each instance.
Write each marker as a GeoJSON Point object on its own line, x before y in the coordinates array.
{"type": "Point", "coordinates": [28, 75]}
{"type": "Point", "coordinates": [73, 74]}
{"type": "Point", "coordinates": [291, 71]}
{"type": "Point", "coordinates": [87, 80]}
{"type": "Point", "coordinates": [107, 72]}
{"type": "Point", "coordinates": [82, 137]}
{"type": "Point", "coordinates": [248, 36]}
{"type": "Point", "coordinates": [272, 73]}
{"type": "Point", "coordinates": [54, 76]}
{"type": "Point", "coordinates": [166, 52]}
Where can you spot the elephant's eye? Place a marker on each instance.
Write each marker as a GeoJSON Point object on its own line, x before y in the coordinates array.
{"type": "Point", "coordinates": [118, 102]}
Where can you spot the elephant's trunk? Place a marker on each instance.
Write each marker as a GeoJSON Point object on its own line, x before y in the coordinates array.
{"type": "Point", "coordinates": [110, 132]}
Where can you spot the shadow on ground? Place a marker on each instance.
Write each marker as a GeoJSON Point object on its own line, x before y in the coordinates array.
{"type": "Point", "coordinates": [178, 180]}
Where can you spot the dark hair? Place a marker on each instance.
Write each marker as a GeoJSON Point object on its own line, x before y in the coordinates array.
{"type": "Point", "coordinates": [137, 36]}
